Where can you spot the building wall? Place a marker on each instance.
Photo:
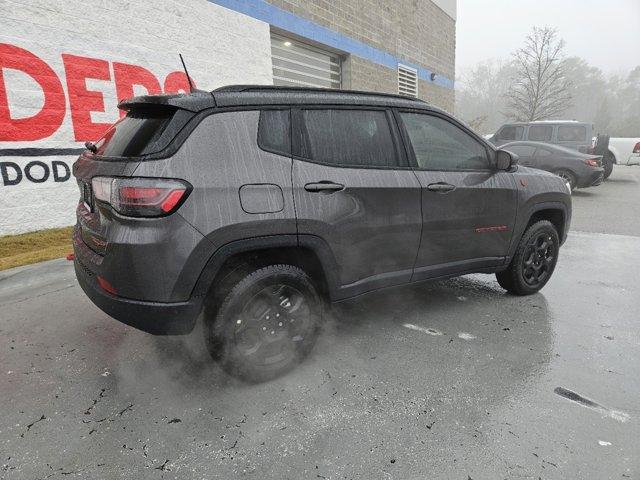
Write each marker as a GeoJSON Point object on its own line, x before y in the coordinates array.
{"type": "Point", "coordinates": [418, 32]}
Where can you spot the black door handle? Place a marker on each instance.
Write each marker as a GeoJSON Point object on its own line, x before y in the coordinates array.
{"type": "Point", "coordinates": [441, 187]}
{"type": "Point", "coordinates": [324, 186]}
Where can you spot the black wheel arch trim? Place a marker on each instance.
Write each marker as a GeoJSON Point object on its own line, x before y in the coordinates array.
{"type": "Point", "coordinates": [311, 242]}
{"type": "Point", "coordinates": [537, 207]}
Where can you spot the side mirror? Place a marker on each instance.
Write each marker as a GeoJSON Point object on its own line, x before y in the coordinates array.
{"type": "Point", "coordinates": [506, 160]}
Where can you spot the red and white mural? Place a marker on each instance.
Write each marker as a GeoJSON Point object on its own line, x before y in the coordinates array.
{"type": "Point", "coordinates": [71, 92]}
{"type": "Point", "coordinates": [62, 74]}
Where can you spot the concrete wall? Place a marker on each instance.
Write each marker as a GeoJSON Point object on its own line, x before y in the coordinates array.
{"type": "Point", "coordinates": [420, 33]}
{"type": "Point", "coordinates": [63, 66]}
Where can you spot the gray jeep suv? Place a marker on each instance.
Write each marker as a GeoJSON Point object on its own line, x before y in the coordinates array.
{"type": "Point", "coordinates": [255, 205]}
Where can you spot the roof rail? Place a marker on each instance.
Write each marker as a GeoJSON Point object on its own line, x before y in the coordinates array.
{"type": "Point", "coordinates": [257, 88]}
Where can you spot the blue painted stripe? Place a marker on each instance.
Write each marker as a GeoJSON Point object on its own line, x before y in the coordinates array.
{"type": "Point", "coordinates": [261, 10]}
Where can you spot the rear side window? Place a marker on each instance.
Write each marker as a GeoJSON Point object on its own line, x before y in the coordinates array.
{"type": "Point", "coordinates": [572, 133]}
{"type": "Point", "coordinates": [142, 132]}
{"type": "Point", "coordinates": [521, 150]}
{"type": "Point", "coordinates": [540, 133]}
{"type": "Point", "coordinates": [274, 131]}
{"type": "Point", "coordinates": [543, 152]}
{"type": "Point", "coordinates": [359, 138]}
{"type": "Point", "coordinates": [510, 132]}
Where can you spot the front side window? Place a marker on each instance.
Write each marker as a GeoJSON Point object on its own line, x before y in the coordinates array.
{"type": "Point", "coordinates": [540, 133]}
{"type": "Point", "coordinates": [358, 138]}
{"type": "Point", "coordinates": [441, 145]}
{"type": "Point", "coordinates": [510, 132]}
{"type": "Point", "coordinates": [572, 133]}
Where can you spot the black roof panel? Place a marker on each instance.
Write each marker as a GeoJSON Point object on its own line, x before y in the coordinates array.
{"type": "Point", "coordinates": [237, 95]}
{"type": "Point", "coordinates": [257, 95]}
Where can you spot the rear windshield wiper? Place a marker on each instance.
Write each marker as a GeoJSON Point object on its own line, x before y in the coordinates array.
{"type": "Point", "coordinates": [91, 147]}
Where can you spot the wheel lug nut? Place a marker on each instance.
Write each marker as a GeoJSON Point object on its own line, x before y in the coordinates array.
{"type": "Point", "coordinates": [264, 328]}
{"type": "Point", "coordinates": [267, 317]}
{"type": "Point", "coordinates": [279, 324]}
{"type": "Point", "coordinates": [272, 332]}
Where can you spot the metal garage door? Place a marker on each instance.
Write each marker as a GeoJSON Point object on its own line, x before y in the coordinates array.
{"type": "Point", "coordinates": [298, 64]}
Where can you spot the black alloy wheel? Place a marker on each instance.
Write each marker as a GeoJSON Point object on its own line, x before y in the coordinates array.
{"type": "Point", "coordinates": [267, 323]}
{"type": "Point", "coordinates": [534, 260]}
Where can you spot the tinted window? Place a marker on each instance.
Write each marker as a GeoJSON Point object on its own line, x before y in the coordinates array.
{"type": "Point", "coordinates": [274, 131]}
{"type": "Point", "coordinates": [543, 152]}
{"type": "Point", "coordinates": [521, 150]}
{"type": "Point", "coordinates": [440, 145]}
{"type": "Point", "coordinates": [347, 137]}
{"type": "Point", "coordinates": [572, 133]}
{"type": "Point", "coordinates": [510, 132]}
{"type": "Point", "coordinates": [540, 133]}
{"type": "Point", "coordinates": [140, 132]}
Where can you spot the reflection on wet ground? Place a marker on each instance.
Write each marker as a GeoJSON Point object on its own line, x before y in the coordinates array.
{"type": "Point", "coordinates": [453, 379]}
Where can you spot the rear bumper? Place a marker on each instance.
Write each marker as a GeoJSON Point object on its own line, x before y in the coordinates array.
{"type": "Point", "coordinates": [156, 318]}
{"type": "Point", "coordinates": [593, 179]}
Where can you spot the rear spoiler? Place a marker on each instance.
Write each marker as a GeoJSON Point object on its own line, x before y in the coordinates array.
{"type": "Point", "coordinates": [193, 102]}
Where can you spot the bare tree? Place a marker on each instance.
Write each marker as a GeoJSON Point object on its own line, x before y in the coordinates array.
{"type": "Point", "coordinates": [540, 89]}
{"type": "Point", "coordinates": [480, 94]}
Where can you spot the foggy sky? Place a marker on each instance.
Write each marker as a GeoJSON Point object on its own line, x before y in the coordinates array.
{"type": "Point", "coordinates": [606, 33]}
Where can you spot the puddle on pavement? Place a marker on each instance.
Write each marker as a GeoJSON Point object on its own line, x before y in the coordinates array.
{"type": "Point", "coordinates": [585, 402]}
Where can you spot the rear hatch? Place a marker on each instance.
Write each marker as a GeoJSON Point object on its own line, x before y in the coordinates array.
{"type": "Point", "coordinates": [143, 133]}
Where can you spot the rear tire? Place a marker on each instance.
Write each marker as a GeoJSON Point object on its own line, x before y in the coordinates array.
{"type": "Point", "coordinates": [266, 324]}
{"type": "Point", "coordinates": [534, 261]}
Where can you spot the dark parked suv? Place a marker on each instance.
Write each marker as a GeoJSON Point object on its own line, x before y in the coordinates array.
{"type": "Point", "coordinates": [256, 204]}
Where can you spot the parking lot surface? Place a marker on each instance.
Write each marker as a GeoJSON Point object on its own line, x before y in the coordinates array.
{"type": "Point", "coordinates": [452, 379]}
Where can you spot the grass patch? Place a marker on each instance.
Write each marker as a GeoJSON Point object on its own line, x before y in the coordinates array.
{"type": "Point", "coordinates": [34, 247]}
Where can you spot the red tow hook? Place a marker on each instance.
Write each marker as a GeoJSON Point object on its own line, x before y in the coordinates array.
{"type": "Point", "coordinates": [71, 256]}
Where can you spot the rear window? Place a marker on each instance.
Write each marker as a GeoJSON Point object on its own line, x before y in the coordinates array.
{"type": "Point", "coordinates": [572, 133]}
{"type": "Point", "coordinates": [359, 138]}
{"type": "Point", "coordinates": [540, 133]}
{"type": "Point", "coordinates": [142, 132]}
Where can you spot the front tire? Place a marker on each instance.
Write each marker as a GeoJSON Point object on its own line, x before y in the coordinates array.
{"type": "Point", "coordinates": [267, 323]}
{"type": "Point", "coordinates": [534, 261]}
{"type": "Point", "coordinates": [569, 179]}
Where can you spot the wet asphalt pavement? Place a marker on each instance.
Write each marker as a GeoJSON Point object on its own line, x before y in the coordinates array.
{"type": "Point", "coordinates": [453, 379]}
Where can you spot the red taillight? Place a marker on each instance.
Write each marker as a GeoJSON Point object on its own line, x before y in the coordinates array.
{"type": "Point", "coordinates": [636, 149]}
{"type": "Point", "coordinates": [106, 286]}
{"type": "Point", "coordinates": [592, 162]}
{"type": "Point", "coordinates": [141, 197]}
{"type": "Point", "coordinates": [172, 200]}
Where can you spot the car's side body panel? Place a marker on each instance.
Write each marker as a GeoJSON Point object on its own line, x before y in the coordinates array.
{"type": "Point", "coordinates": [473, 221]}
{"type": "Point", "coordinates": [372, 226]}
{"type": "Point", "coordinates": [382, 229]}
